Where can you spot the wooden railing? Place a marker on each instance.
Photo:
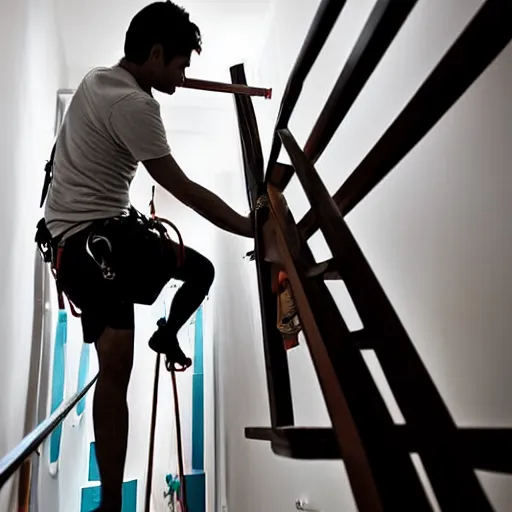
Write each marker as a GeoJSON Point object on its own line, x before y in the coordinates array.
{"type": "Point", "coordinates": [375, 450]}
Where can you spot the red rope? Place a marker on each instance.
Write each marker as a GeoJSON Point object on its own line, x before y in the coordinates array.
{"type": "Point", "coordinates": [152, 212]}
{"type": "Point", "coordinates": [181, 254]}
{"type": "Point", "coordinates": [149, 476]}
{"type": "Point", "coordinates": [183, 487]}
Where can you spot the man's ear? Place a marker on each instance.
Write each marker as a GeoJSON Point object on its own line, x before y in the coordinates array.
{"type": "Point", "coordinates": [157, 52]}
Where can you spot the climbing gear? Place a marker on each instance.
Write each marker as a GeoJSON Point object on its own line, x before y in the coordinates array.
{"type": "Point", "coordinates": [162, 220]}
{"type": "Point", "coordinates": [176, 489]}
{"type": "Point", "coordinates": [109, 242]}
{"type": "Point", "coordinates": [117, 246]}
{"type": "Point", "coordinates": [93, 245]}
{"type": "Point", "coordinates": [46, 247]}
{"type": "Point", "coordinates": [161, 342]}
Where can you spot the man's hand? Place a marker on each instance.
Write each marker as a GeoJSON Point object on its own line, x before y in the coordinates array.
{"type": "Point", "coordinates": [167, 173]}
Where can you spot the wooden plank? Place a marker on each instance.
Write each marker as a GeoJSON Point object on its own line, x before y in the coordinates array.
{"type": "Point", "coordinates": [449, 470]}
{"type": "Point", "coordinates": [276, 359]}
{"type": "Point", "coordinates": [488, 449]}
{"type": "Point", "coordinates": [306, 443]}
{"type": "Point", "coordinates": [252, 154]}
{"type": "Point", "coordinates": [478, 45]}
{"type": "Point", "coordinates": [384, 22]}
{"type": "Point", "coordinates": [281, 175]}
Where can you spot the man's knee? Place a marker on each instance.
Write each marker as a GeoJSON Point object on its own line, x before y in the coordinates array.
{"type": "Point", "coordinates": [115, 355]}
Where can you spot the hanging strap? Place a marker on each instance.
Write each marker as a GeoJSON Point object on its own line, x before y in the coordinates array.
{"type": "Point", "coordinates": [48, 169]}
{"type": "Point", "coordinates": [149, 476]}
{"type": "Point", "coordinates": [60, 292]}
{"type": "Point", "coordinates": [152, 212]}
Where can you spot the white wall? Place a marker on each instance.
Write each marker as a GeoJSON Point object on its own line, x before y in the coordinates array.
{"type": "Point", "coordinates": [436, 233]}
{"type": "Point", "coordinates": [32, 66]}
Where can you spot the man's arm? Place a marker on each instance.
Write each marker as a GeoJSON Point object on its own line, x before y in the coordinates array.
{"type": "Point", "coordinates": [167, 173]}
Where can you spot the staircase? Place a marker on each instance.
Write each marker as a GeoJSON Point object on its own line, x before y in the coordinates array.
{"type": "Point", "coordinates": [375, 450]}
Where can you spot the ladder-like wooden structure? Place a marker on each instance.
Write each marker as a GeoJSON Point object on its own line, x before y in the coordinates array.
{"type": "Point", "coordinates": [375, 450]}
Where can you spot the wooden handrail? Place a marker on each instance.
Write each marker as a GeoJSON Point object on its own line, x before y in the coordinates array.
{"type": "Point", "coordinates": [321, 26]}
{"type": "Point", "coordinates": [479, 44]}
{"type": "Point", "coordinates": [376, 451]}
{"type": "Point", "coordinates": [383, 24]}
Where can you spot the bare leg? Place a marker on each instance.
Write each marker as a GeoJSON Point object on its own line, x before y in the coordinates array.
{"type": "Point", "coordinates": [197, 274]}
{"type": "Point", "coordinates": [110, 412]}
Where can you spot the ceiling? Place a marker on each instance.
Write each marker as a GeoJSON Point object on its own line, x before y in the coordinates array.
{"type": "Point", "coordinates": [93, 33]}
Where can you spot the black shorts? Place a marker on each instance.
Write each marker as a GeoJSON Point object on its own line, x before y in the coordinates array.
{"type": "Point", "coordinates": [128, 265]}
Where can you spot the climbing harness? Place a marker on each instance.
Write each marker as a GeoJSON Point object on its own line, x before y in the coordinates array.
{"type": "Point", "coordinates": [106, 248]}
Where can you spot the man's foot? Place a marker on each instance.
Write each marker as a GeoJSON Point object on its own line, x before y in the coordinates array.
{"type": "Point", "coordinates": [166, 343]}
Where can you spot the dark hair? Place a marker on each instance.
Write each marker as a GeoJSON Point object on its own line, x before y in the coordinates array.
{"type": "Point", "coordinates": [162, 23]}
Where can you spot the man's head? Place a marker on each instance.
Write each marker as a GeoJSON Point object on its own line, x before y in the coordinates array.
{"type": "Point", "coordinates": [160, 42]}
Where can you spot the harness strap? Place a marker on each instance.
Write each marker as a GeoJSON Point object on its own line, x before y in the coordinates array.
{"type": "Point", "coordinates": [181, 254]}
{"type": "Point", "coordinates": [60, 292]}
{"type": "Point", "coordinates": [152, 211]}
{"type": "Point", "coordinates": [48, 169]}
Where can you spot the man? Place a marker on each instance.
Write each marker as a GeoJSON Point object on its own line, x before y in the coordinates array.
{"type": "Point", "coordinates": [112, 124]}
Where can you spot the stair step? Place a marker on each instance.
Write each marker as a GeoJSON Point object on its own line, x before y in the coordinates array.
{"type": "Point", "coordinates": [361, 339]}
{"type": "Point", "coordinates": [488, 449]}
{"type": "Point", "coordinates": [298, 442]}
{"type": "Point", "coordinates": [327, 269]}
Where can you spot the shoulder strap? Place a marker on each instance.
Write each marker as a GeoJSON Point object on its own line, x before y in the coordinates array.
{"type": "Point", "coordinates": [48, 169]}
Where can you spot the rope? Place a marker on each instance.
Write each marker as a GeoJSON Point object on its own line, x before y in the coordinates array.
{"type": "Point", "coordinates": [181, 471]}
{"type": "Point", "coordinates": [181, 255]}
{"type": "Point", "coordinates": [152, 212]}
{"type": "Point", "coordinates": [183, 487]}
{"type": "Point", "coordinates": [149, 481]}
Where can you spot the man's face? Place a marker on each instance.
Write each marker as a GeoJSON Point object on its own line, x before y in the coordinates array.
{"type": "Point", "coordinates": [166, 77]}
{"type": "Point", "coordinates": [175, 72]}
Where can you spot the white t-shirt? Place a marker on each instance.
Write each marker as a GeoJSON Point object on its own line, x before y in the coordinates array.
{"type": "Point", "coordinates": [111, 125]}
